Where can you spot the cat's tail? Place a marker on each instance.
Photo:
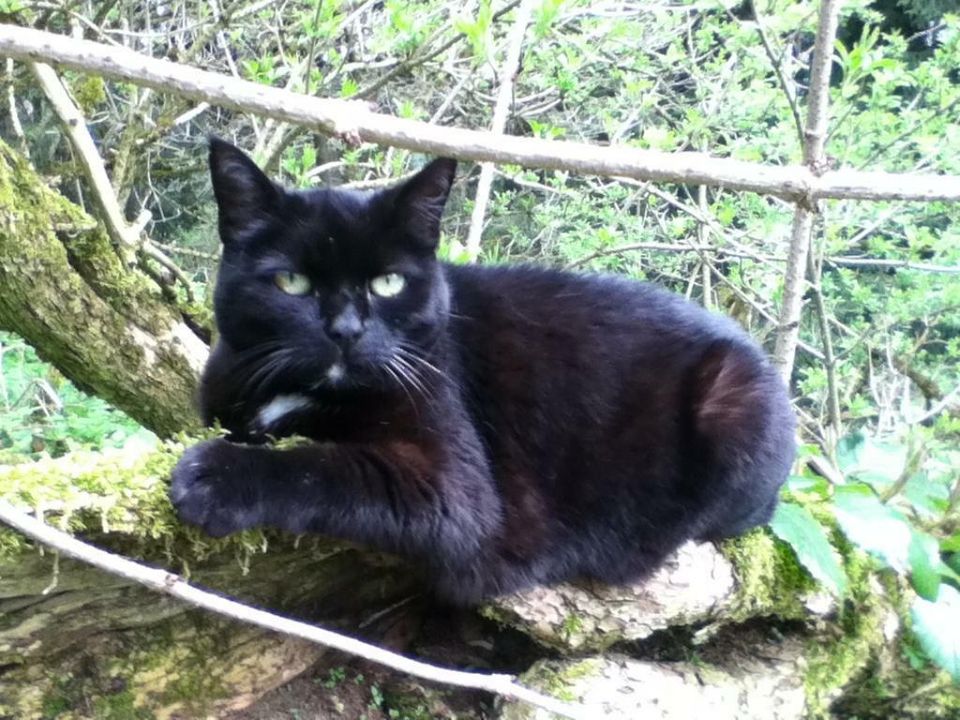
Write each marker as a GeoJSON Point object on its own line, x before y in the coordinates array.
{"type": "Point", "coordinates": [744, 425]}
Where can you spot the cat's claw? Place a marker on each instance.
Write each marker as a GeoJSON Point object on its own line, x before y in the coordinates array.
{"type": "Point", "coordinates": [209, 489]}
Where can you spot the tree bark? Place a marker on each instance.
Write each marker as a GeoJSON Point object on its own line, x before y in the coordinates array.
{"type": "Point", "coordinates": [698, 585]}
{"type": "Point", "coordinates": [104, 325]}
{"type": "Point", "coordinates": [753, 686]}
{"type": "Point", "coordinates": [802, 231]}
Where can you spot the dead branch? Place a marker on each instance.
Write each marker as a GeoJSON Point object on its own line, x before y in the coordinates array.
{"type": "Point", "coordinates": [508, 73]}
{"type": "Point", "coordinates": [124, 235]}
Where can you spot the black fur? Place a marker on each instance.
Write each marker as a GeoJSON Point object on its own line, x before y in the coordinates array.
{"type": "Point", "coordinates": [537, 426]}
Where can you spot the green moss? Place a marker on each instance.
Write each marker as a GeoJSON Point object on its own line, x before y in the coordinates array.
{"type": "Point", "coordinates": [170, 665]}
{"type": "Point", "coordinates": [572, 625]}
{"type": "Point", "coordinates": [880, 679]}
{"type": "Point", "coordinates": [201, 313]}
{"type": "Point", "coordinates": [89, 91]}
{"type": "Point", "coordinates": [59, 698]}
{"type": "Point", "coordinates": [69, 295]}
{"type": "Point", "coordinates": [167, 665]}
{"type": "Point", "coordinates": [121, 491]}
{"type": "Point", "coordinates": [771, 581]}
{"type": "Point", "coordinates": [559, 679]}
{"type": "Point", "coordinates": [94, 256]}
{"type": "Point", "coordinates": [53, 705]}
{"type": "Point", "coordinates": [858, 637]}
{"type": "Point", "coordinates": [119, 706]}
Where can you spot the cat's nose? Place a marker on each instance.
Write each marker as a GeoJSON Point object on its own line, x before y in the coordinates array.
{"type": "Point", "coordinates": [346, 326]}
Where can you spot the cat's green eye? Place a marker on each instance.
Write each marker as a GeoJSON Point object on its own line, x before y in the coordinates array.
{"type": "Point", "coordinates": [387, 285]}
{"type": "Point", "coordinates": [292, 283]}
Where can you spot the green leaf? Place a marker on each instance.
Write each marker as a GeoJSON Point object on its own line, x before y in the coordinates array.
{"type": "Point", "coordinates": [873, 526]}
{"type": "Point", "coordinates": [849, 449]}
{"type": "Point", "coordinates": [916, 659]}
{"type": "Point", "coordinates": [924, 558]}
{"type": "Point", "coordinates": [936, 627]}
{"type": "Point", "coordinates": [876, 463]}
{"type": "Point", "coordinates": [348, 88]}
{"type": "Point", "coordinates": [928, 497]}
{"type": "Point", "coordinates": [807, 484]}
{"type": "Point", "coordinates": [795, 525]}
{"type": "Point", "coordinates": [951, 544]}
{"type": "Point", "coordinates": [949, 570]}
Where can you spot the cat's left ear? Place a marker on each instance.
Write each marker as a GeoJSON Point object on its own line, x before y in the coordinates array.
{"type": "Point", "coordinates": [418, 204]}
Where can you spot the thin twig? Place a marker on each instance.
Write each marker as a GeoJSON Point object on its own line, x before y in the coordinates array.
{"type": "Point", "coordinates": [777, 69]}
{"type": "Point", "coordinates": [837, 260]}
{"type": "Point", "coordinates": [15, 124]}
{"type": "Point", "coordinates": [814, 273]}
{"type": "Point", "coordinates": [949, 401]}
{"type": "Point", "coordinates": [171, 584]}
{"type": "Point", "coordinates": [858, 262]}
{"type": "Point", "coordinates": [508, 74]}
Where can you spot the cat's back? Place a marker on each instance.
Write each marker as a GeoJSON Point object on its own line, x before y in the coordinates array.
{"type": "Point", "coordinates": [617, 399]}
{"type": "Point", "coordinates": [574, 360]}
{"type": "Point", "coordinates": [588, 311]}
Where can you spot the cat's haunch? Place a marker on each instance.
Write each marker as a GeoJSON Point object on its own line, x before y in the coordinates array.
{"type": "Point", "coordinates": [504, 426]}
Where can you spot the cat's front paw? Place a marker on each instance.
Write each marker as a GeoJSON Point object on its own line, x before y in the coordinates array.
{"type": "Point", "coordinates": [213, 487]}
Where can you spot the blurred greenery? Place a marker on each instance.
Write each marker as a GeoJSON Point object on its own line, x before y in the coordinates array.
{"type": "Point", "coordinates": [42, 413]}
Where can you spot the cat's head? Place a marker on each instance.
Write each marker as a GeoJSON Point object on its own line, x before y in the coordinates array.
{"type": "Point", "coordinates": [331, 288]}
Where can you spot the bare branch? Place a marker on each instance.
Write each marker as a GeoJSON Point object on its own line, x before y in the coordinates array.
{"type": "Point", "coordinates": [355, 121]}
{"type": "Point", "coordinates": [508, 73]}
{"type": "Point", "coordinates": [814, 135]}
{"type": "Point", "coordinates": [15, 124]}
{"type": "Point", "coordinates": [839, 261]}
{"type": "Point", "coordinates": [857, 262]}
{"type": "Point", "coordinates": [171, 584]}
{"type": "Point", "coordinates": [74, 125]}
{"type": "Point", "coordinates": [834, 428]}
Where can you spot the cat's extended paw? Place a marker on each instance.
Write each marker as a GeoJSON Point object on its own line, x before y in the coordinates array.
{"type": "Point", "coordinates": [213, 487]}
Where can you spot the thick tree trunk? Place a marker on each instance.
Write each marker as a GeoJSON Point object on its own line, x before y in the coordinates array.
{"type": "Point", "coordinates": [66, 292]}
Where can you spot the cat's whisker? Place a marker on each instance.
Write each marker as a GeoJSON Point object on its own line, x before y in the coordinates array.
{"type": "Point", "coordinates": [411, 370]}
{"type": "Point", "coordinates": [393, 374]}
{"type": "Point", "coordinates": [276, 361]}
{"type": "Point", "coordinates": [410, 354]}
{"type": "Point", "coordinates": [402, 376]}
{"type": "Point", "coordinates": [408, 373]}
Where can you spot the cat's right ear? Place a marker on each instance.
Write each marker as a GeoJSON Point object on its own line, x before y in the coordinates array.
{"type": "Point", "coordinates": [246, 197]}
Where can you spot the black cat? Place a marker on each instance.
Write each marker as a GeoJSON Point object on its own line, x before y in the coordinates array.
{"type": "Point", "coordinates": [506, 426]}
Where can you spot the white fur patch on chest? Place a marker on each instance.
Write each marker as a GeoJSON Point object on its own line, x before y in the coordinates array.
{"type": "Point", "coordinates": [336, 372]}
{"type": "Point", "coordinates": [280, 406]}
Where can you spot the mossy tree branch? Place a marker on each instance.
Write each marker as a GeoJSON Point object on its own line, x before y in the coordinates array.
{"type": "Point", "coordinates": [66, 292]}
